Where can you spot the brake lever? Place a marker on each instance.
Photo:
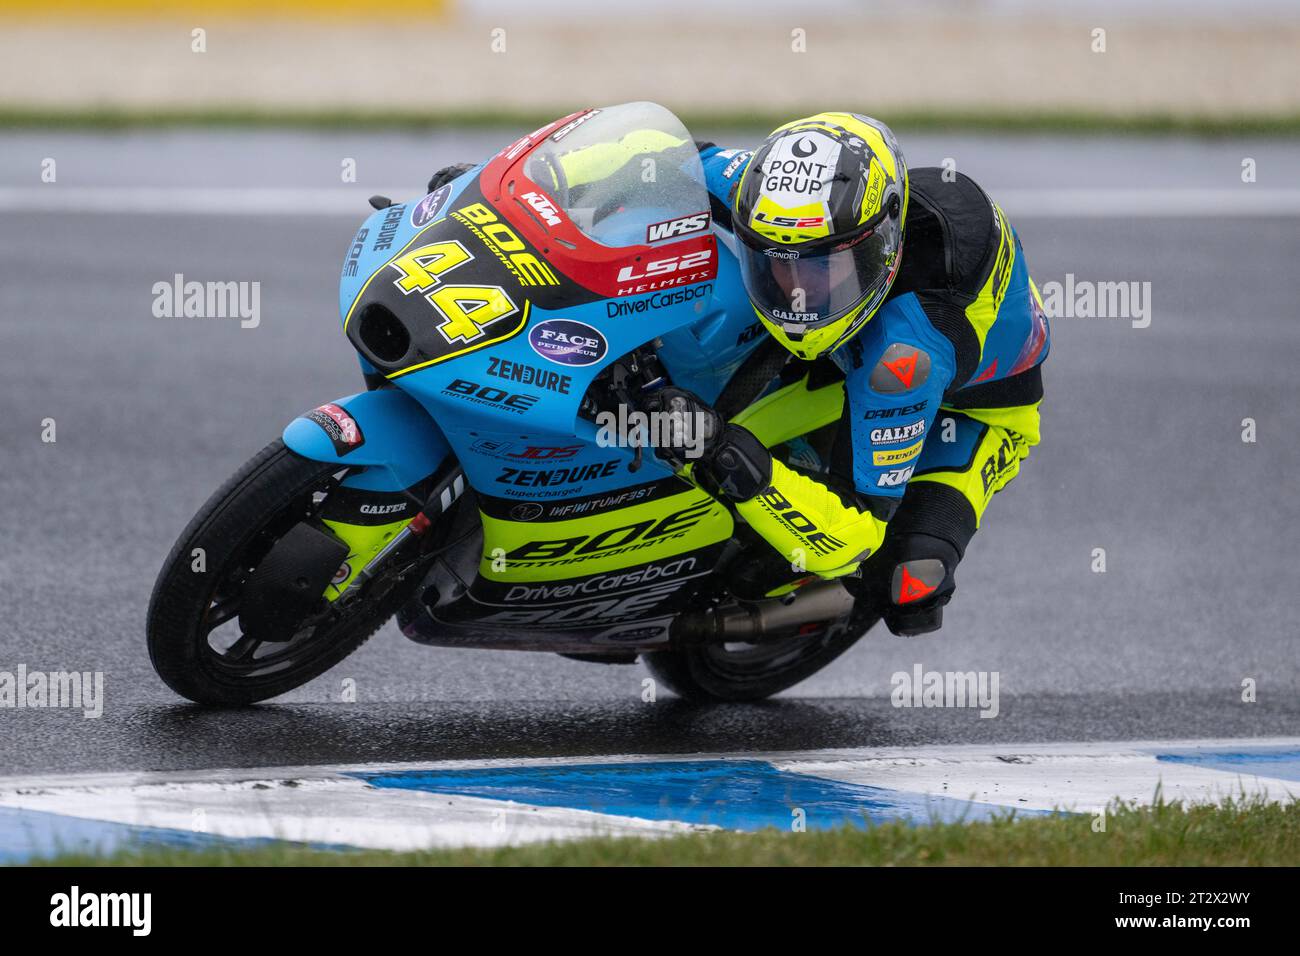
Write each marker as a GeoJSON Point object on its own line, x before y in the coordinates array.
{"type": "Point", "coordinates": [619, 379]}
{"type": "Point", "coordinates": [623, 380]}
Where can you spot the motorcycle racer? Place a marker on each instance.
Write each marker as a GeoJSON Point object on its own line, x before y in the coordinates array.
{"type": "Point", "coordinates": [906, 293]}
{"type": "Point", "coordinates": [910, 292]}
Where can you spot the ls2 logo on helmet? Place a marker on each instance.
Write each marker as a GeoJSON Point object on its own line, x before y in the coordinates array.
{"type": "Point", "coordinates": [424, 211]}
{"type": "Point", "coordinates": [567, 342]}
{"type": "Point", "coordinates": [790, 222]}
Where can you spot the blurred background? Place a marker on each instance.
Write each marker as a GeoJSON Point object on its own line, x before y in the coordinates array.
{"type": "Point", "coordinates": [1010, 61]}
{"type": "Point", "coordinates": [1137, 141]}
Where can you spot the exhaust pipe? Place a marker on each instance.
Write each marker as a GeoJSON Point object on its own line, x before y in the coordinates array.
{"type": "Point", "coordinates": [752, 623]}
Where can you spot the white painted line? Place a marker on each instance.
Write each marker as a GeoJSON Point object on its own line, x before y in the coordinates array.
{"type": "Point", "coordinates": [1247, 201]}
{"type": "Point", "coordinates": [1080, 782]}
{"type": "Point", "coordinates": [343, 811]}
{"type": "Point", "coordinates": [220, 201]}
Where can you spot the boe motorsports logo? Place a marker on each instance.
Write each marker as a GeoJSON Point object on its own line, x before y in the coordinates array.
{"type": "Point", "coordinates": [567, 342]}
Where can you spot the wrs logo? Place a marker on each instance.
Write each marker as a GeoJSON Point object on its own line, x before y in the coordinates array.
{"type": "Point", "coordinates": [672, 228]}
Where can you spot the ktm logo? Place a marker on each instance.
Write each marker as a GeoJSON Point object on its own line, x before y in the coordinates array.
{"type": "Point", "coordinates": [544, 207]}
{"type": "Point", "coordinates": [892, 479]}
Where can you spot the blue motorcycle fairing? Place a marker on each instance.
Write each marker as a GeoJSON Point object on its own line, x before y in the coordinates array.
{"type": "Point", "coordinates": [703, 343]}
{"type": "Point", "coordinates": [385, 231]}
{"type": "Point", "coordinates": [390, 434]}
{"type": "Point", "coordinates": [704, 354]}
{"type": "Point", "coordinates": [553, 452]}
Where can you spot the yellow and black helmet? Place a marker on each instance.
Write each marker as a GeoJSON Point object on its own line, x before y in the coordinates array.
{"type": "Point", "coordinates": [819, 213]}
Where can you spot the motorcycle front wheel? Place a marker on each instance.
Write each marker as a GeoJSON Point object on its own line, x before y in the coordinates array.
{"type": "Point", "coordinates": [195, 638]}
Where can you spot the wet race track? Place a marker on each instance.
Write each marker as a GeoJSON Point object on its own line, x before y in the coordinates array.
{"type": "Point", "coordinates": [1142, 456]}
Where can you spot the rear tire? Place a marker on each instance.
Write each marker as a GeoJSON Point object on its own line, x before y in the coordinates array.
{"type": "Point", "coordinates": [235, 527]}
{"type": "Point", "coordinates": [713, 672]}
{"type": "Point", "coordinates": [722, 672]}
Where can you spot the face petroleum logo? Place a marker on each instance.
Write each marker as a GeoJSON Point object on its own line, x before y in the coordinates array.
{"type": "Point", "coordinates": [567, 342]}
{"type": "Point", "coordinates": [427, 209]}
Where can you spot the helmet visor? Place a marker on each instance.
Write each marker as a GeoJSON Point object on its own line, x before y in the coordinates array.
{"type": "Point", "coordinates": [805, 292]}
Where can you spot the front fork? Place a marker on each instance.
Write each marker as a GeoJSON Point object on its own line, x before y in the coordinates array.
{"type": "Point", "coordinates": [362, 540]}
{"type": "Point", "coordinates": [402, 476]}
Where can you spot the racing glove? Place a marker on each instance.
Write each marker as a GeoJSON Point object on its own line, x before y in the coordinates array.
{"type": "Point", "coordinates": [687, 430]}
{"type": "Point", "coordinates": [697, 443]}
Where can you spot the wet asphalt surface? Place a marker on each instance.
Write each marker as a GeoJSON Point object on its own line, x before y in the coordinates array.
{"type": "Point", "coordinates": [1142, 456]}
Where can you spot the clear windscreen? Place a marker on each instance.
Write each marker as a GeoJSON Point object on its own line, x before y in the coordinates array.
{"type": "Point", "coordinates": [626, 175]}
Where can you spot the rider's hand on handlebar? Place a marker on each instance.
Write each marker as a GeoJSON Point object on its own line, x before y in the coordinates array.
{"type": "Point", "coordinates": [684, 429]}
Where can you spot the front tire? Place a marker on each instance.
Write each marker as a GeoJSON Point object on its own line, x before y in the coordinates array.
{"type": "Point", "coordinates": [195, 604]}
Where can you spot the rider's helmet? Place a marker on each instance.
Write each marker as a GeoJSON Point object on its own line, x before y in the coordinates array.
{"type": "Point", "coordinates": [819, 213]}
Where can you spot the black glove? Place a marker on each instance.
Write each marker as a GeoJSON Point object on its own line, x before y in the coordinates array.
{"type": "Point", "coordinates": [447, 174]}
{"type": "Point", "coordinates": [687, 429]}
{"type": "Point", "coordinates": [725, 459]}
{"type": "Point", "coordinates": [911, 579]}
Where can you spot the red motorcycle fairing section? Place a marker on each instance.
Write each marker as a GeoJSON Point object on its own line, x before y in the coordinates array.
{"type": "Point", "coordinates": [608, 271]}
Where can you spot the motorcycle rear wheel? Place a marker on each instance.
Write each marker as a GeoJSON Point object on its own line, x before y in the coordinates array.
{"type": "Point", "coordinates": [748, 672]}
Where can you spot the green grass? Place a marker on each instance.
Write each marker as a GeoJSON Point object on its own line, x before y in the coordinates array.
{"type": "Point", "coordinates": [1236, 833]}
{"type": "Point", "coordinates": [1010, 121]}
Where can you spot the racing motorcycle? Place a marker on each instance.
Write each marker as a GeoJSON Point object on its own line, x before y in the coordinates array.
{"type": "Point", "coordinates": [490, 486]}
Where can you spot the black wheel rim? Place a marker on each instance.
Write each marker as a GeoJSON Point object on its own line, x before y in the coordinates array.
{"type": "Point", "coordinates": [234, 656]}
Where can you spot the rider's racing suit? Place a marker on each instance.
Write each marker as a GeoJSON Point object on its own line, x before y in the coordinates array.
{"type": "Point", "coordinates": [942, 388]}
